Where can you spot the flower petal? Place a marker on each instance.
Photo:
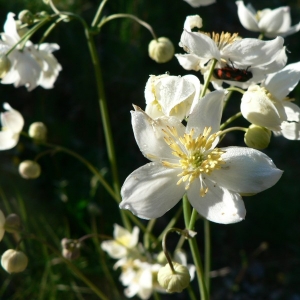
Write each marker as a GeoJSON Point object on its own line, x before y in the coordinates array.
{"type": "Point", "coordinates": [247, 18]}
{"type": "Point", "coordinates": [292, 111]}
{"type": "Point", "coordinates": [8, 139]}
{"type": "Point", "coordinates": [198, 3]}
{"type": "Point", "coordinates": [281, 83]}
{"type": "Point", "coordinates": [149, 135]}
{"type": "Point", "coordinates": [192, 22]}
{"type": "Point", "coordinates": [12, 120]}
{"type": "Point", "coordinates": [291, 131]}
{"type": "Point", "coordinates": [150, 191]}
{"type": "Point", "coordinates": [208, 106]}
{"type": "Point", "coordinates": [189, 61]}
{"type": "Point", "coordinates": [246, 171]}
{"type": "Point", "coordinates": [219, 205]}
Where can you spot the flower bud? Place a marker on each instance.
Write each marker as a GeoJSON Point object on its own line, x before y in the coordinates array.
{"type": "Point", "coordinates": [26, 17]}
{"type": "Point", "coordinates": [14, 261]}
{"type": "Point", "coordinates": [12, 223]}
{"type": "Point", "coordinates": [5, 65]}
{"type": "Point", "coordinates": [257, 137]}
{"type": "Point", "coordinates": [161, 50]}
{"type": "Point", "coordinates": [174, 281]}
{"type": "Point", "coordinates": [38, 131]}
{"type": "Point", "coordinates": [161, 258]}
{"type": "Point", "coordinates": [70, 248]}
{"type": "Point", "coordinates": [29, 169]}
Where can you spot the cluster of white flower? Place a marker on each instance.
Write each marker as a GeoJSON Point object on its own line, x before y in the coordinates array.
{"type": "Point", "coordinates": [139, 268]}
{"type": "Point", "coordinates": [29, 65]}
{"type": "Point", "coordinates": [185, 159]}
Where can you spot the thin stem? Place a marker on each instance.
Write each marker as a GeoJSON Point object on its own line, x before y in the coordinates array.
{"type": "Point", "coordinates": [128, 16]}
{"type": "Point", "coordinates": [233, 129]}
{"type": "Point", "coordinates": [149, 228]}
{"type": "Point", "coordinates": [235, 89]}
{"type": "Point", "coordinates": [105, 121]}
{"type": "Point", "coordinates": [231, 119]}
{"type": "Point", "coordinates": [190, 220]}
{"type": "Point", "coordinates": [207, 81]}
{"type": "Point", "coordinates": [207, 254]}
{"type": "Point", "coordinates": [98, 13]}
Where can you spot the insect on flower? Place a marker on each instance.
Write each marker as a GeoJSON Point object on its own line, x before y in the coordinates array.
{"type": "Point", "coordinates": [233, 74]}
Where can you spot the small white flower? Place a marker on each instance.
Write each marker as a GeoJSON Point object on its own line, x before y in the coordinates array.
{"type": "Point", "coordinates": [256, 56]}
{"type": "Point", "coordinates": [33, 65]}
{"type": "Point", "coordinates": [185, 160]}
{"type": "Point", "coordinates": [267, 105]}
{"type": "Point", "coordinates": [171, 95]}
{"type": "Point", "coordinates": [270, 22]}
{"type": "Point", "coordinates": [12, 125]}
{"type": "Point", "coordinates": [123, 243]}
{"type": "Point", "coordinates": [198, 3]}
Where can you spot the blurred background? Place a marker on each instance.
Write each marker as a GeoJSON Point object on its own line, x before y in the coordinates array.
{"type": "Point", "coordinates": [259, 257]}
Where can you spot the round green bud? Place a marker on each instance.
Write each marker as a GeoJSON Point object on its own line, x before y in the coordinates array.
{"type": "Point", "coordinates": [29, 169]}
{"type": "Point", "coordinates": [26, 17]}
{"type": "Point", "coordinates": [257, 137]}
{"type": "Point", "coordinates": [5, 65]}
{"type": "Point", "coordinates": [13, 261]}
{"type": "Point", "coordinates": [38, 131]}
{"type": "Point", "coordinates": [174, 281]}
{"type": "Point", "coordinates": [12, 223]}
{"type": "Point", "coordinates": [161, 50]}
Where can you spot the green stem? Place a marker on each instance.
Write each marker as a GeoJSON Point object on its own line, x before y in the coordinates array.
{"type": "Point", "coordinates": [149, 228]}
{"type": "Point", "coordinates": [106, 121]}
{"type": "Point", "coordinates": [194, 247]}
{"type": "Point", "coordinates": [235, 89]}
{"type": "Point", "coordinates": [207, 81]}
{"type": "Point", "coordinates": [207, 254]}
{"type": "Point", "coordinates": [98, 13]}
{"type": "Point", "coordinates": [231, 119]}
{"type": "Point", "coordinates": [128, 16]}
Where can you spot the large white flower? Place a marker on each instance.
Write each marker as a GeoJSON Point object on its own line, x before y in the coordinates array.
{"type": "Point", "coordinates": [185, 160]}
{"type": "Point", "coordinates": [123, 243]}
{"type": "Point", "coordinates": [12, 125]}
{"type": "Point", "coordinates": [267, 105]}
{"type": "Point", "coordinates": [198, 3]}
{"type": "Point", "coordinates": [171, 95]}
{"type": "Point", "coordinates": [270, 22]}
{"type": "Point", "coordinates": [30, 66]}
{"type": "Point", "coordinates": [255, 56]}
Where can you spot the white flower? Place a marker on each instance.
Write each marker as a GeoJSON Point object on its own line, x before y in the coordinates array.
{"type": "Point", "coordinates": [257, 57]}
{"type": "Point", "coordinates": [139, 277]}
{"type": "Point", "coordinates": [197, 3]}
{"type": "Point", "coordinates": [12, 125]}
{"type": "Point", "coordinates": [270, 22]}
{"type": "Point", "coordinates": [267, 105]}
{"type": "Point", "coordinates": [185, 160]}
{"type": "Point", "coordinates": [171, 95]}
{"type": "Point", "coordinates": [2, 223]}
{"type": "Point", "coordinates": [123, 243]}
{"type": "Point", "coordinates": [33, 65]}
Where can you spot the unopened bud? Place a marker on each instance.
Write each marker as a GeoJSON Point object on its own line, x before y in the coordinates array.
{"type": "Point", "coordinates": [13, 261]}
{"type": "Point", "coordinates": [161, 50]}
{"type": "Point", "coordinates": [5, 65]}
{"type": "Point", "coordinates": [29, 169]}
{"type": "Point", "coordinates": [257, 137]}
{"type": "Point", "coordinates": [12, 223]}
{"type": "Point", "coordinates": [161, 258]}
{"type": "Point", "coordinates": [174, 281]}
{"type": "Point", "coordinates": [38, 131]}
{"type": "Point", "coordinates": [26, 17]}
{"type": "Point", "coordinates": [70, 248]}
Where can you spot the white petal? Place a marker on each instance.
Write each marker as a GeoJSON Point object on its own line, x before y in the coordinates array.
{"type": "Point", "coordinates": [247, 18]}
{"type": "Point", "coordinates": [149, 135]}
{"type": "Point", "coordinates": [246, 171]}
{"type": "Point", "coordinates": [292, 111]}
{"type": "Point", "coordinates": [253, 52]}
{"type": "Point", "coordinates": [207, 113]}
{"type": "Point", "coordinates": [127, 238]}
{"type": "Point", "coordinates": [192, 22]}
{"type": "Point", "coordinates": [150, 191]}
{"type": "Point", "coordinates": [12, 120]}
{"type": "Point", "coordinates": [218, 205]}
{"type": "Point", "coordinates": [273, 21]}
{"type": "Point", "coordinates": [280, 84]}
{"type": "Point", "coordinates": [10, 28]}
{"type": "Point", "coordinates": [291, 131]}
{"type": "Point", "coordinates": [200, 45]}
{"type": "Point", "coordinates": [198, 3]}
{"type": "Point", "coordinates": [114, 249]}
{"type": "Point", "coordinates": [8, 139]}
{"type": "Point", "coordinates": [189, 61]}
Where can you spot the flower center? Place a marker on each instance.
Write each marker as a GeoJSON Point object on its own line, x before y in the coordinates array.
{"type": "Point", "coordinates": [196, 155]}
{"type": "Point", "coordinates": [223, 39]}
